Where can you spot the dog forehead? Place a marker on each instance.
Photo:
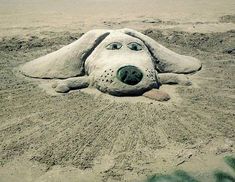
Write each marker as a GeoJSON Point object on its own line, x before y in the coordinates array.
{"type": "Point", "coordinates": [121, 37]}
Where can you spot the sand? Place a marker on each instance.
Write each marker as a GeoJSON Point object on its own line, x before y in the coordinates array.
{"type": "Point", "coordinates": [20, 17]}
{"type": "Point", "coordinates": [89, 136]}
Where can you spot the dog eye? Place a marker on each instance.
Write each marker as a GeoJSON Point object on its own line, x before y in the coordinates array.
{"type": "Point", "coordinates": [114, 46]}
{"type": "Point", "coordinates": [135, 46]}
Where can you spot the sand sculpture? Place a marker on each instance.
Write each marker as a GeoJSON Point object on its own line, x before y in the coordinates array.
{"type": "Point", "coordinates": [118, 62]}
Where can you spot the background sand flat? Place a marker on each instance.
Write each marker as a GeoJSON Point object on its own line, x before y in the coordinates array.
{"type": "Point", "coordinates": [34, 15]}
{"type": "Point", "coordinates": [89, 136]}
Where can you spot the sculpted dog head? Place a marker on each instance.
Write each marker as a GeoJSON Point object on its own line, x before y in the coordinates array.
{"type": "Point", "coordinates": [119, 62]}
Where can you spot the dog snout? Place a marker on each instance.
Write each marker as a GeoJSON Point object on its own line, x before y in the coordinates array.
{"type": "Point", "coordinates": [129, 75]}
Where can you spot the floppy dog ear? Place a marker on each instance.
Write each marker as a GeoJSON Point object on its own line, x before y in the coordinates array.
{"type": "Point", "coordinates": [165, 59]}
{"type": "Point", "coordinates": [67, 61]}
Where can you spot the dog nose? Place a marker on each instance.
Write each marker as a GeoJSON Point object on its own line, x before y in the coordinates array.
{"type": "Point", "coordinates": [130, 75]}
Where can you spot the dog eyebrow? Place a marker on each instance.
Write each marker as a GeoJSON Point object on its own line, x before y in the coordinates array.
{"type": "Point", "coordinates": [88, 52]}
{"type": "Point", "coordinates": [154, 59]}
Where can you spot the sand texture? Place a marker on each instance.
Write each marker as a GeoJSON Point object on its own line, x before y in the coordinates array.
{"type": "Point", "coordinates": [88, 136]}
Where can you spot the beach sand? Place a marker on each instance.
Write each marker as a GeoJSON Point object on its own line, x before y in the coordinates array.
{"type": "Point", "coordinates": [89, 136]}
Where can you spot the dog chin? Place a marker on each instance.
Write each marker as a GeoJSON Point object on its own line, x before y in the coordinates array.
{"type": "Point", "coordinates": [126, 90]}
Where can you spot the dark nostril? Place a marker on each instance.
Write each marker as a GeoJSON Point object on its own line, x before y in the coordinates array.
{"type": "Point", "coordinates": [130, 75]}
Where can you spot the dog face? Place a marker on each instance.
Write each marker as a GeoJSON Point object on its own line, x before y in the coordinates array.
{"type": "Point", "coordinates": [119, 62]}
{"type": "Point", "coordinates": [120, 65]}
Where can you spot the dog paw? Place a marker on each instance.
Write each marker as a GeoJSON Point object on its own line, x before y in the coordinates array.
{"type": "Point", "coordinates": [184, 80]}
{"type": "Point", "coordinates": [54, 85]}
{"type": "Point", "coordinates": [62, 88]}
{"type": "Point", "coordinates": [186, 83]}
